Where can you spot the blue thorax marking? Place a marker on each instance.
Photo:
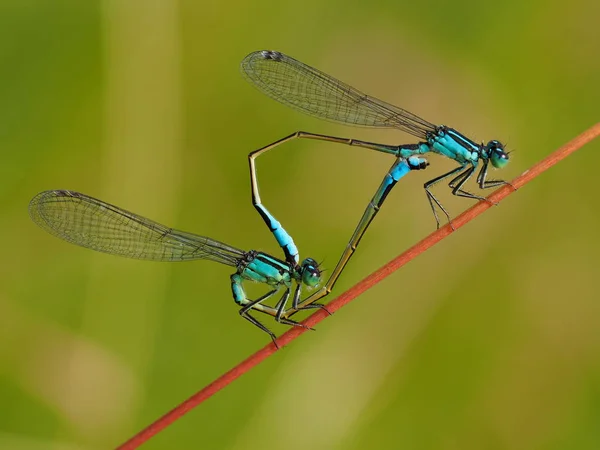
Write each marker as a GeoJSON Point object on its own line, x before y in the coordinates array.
{"type": "Point", "coordinates": [454, 145]}
{"type": "Point", "coordinates": [266, 269]}
{"type": "Point", "coordinates": [450, 143]}
{"type": "Point", "coordinates": [283, 238]}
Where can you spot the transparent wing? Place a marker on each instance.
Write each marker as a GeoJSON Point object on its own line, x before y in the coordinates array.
{"type": "Point", "coordinates": [92, 223]}
{"type": "Point", "coordinates": [313, 92]}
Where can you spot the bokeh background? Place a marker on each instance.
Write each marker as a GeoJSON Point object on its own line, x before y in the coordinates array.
{"type": "Point", "coordinates": [490, 340]}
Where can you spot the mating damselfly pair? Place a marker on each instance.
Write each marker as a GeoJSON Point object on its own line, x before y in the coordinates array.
{"type": "Point", "coordinates": [92, 223]}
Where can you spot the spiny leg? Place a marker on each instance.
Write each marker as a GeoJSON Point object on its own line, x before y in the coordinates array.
{"type": "Point", "coordinates": [432, 198]}
{"type": "Point", "coordinates": [281, 304]}
{"type": "Point", "coordinates": [255, 304]}
{"type": "Point", "coordinates": [486, 184]}
{"type": "Point", "coordinates": [239, 296]}
{"type": "Point", "coordinates": [457, 183]}
{"type": "Point", "coordinates": [296, 302]}
{"type": "Point", "coordinates": [245, 313]}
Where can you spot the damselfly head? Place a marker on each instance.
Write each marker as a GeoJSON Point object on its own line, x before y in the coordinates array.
{"type": "Point", "coordinates": [311, 273]}
{"type": "Point", "coordinates": [498, 157]}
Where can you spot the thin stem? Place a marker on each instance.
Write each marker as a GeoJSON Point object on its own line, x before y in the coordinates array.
{"type": "Point", "coordinates": [359, 288]}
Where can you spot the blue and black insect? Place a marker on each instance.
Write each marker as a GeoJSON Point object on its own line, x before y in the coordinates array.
{"type": "Point", "coordinates": [88, 222]}
{"type": "Point", "coordinates": [318, 94]}
{"type": "Point", "coordinates": [313, 92]}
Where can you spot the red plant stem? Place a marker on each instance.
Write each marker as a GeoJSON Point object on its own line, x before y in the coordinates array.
{"type": "Point", "coordinates": [358, 289]}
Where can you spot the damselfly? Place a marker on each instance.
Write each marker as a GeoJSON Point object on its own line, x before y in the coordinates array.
{"type": "Point", "coordinates": [313, 92]}
{"type": "Point", "coordinates": [88, 222]}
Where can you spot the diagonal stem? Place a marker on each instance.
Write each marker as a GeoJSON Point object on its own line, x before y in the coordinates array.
{"type": "Point", "coordinates": [377, 276]}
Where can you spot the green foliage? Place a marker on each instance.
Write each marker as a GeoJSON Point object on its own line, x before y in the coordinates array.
{"type": "Point", "coordinates": [491, 340]}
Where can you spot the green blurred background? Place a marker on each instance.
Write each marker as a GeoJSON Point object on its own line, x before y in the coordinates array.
{"type": "Point", "coordinates": [490, 340]}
